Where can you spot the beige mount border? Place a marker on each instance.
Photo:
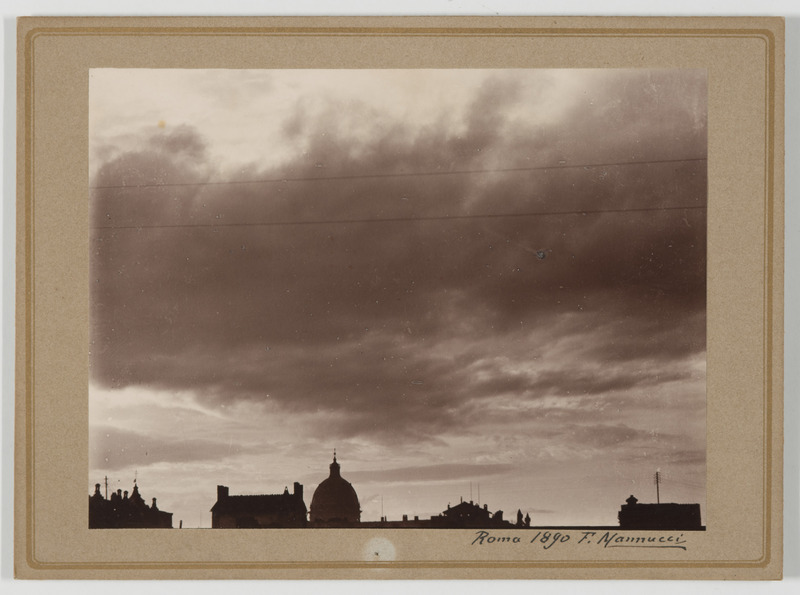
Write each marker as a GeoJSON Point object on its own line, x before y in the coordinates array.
{"type": "Point", "coordinates": [745, 62]}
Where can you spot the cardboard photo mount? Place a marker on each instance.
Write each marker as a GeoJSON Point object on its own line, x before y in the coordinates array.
{"type": "Point", "coordinates": [744, 59]}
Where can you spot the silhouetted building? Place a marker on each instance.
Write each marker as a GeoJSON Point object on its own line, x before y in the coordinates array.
{"type": "Point", "coordinates": [523, 522]}
{"type": "Point", "coordinates": [335, 503]}
{"type": "Point", "coordinates": [123, 512]}
{"type": "Point", "coordinates": [470, 515]}
{"type": "Point", "coordinates": [259, 511]}
{"type": "Point", "coordinates": [465, 515]}
{"type": "Point", "coordinates": [664, 517]}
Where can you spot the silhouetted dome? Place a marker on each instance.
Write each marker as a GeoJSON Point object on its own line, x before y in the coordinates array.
{"type": "Point", "coordinates": [335, 501]}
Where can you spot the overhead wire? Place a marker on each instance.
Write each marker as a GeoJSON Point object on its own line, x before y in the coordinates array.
{"type": "Point", "coordinates": [397, 174]}
{"type": "Point", "coordinates": [402, 219]}
{"type": "Point", "coordinates": [559, 166]}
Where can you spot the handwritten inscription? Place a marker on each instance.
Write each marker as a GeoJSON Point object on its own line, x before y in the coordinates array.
{"type": "Point", "coordinates": [606, 539]}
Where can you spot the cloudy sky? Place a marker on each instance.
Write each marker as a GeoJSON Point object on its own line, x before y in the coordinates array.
{"type": "Point", "coordinates": [471, 283]}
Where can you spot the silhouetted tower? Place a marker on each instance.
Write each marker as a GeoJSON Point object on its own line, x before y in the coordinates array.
{"type": "Point", "coordinates": [657, 479]}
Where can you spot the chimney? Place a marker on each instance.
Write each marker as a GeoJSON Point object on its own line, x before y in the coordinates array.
{"type": "Point", "coordinates": [405, 517]}
{"type": "Point", "coordinates": [154, 507]}
{"type": "Point", "coordinates": [298, 490]}
{"type": "Point", "coordinates": [222, 492]}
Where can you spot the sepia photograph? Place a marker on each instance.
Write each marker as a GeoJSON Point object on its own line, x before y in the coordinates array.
{"type": "Point", "coordinates": [397, 298]}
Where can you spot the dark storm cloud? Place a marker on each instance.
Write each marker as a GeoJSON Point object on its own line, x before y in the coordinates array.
{"type": "Point", "coordinates": [181, 142]}
{"type": "Point", "coordinates": [572, 380]}
{"type": "Point", "coordinates": [670, 457]}
{"type": "Point", "coordinates": [112, 449]}
{"type": "Point", "coordinates": [382, 316]}
{"type": "Point", "coordinates": [604, 436]}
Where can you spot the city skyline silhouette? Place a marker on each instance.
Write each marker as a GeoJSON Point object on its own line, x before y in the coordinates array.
{"type": "Point", "coordinates": [335, 505]}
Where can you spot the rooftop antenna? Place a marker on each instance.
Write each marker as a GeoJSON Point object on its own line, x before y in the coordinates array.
{"type": "Point", "coordinates": [657, 478]}
{"type": "Point", "coordinates": [106, 480]}
{"type": "Point", "coordinates": [470, 491]}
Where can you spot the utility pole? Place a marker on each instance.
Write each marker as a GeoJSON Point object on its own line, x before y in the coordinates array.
{"type": "Point", "coordinates": [657, 478]}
